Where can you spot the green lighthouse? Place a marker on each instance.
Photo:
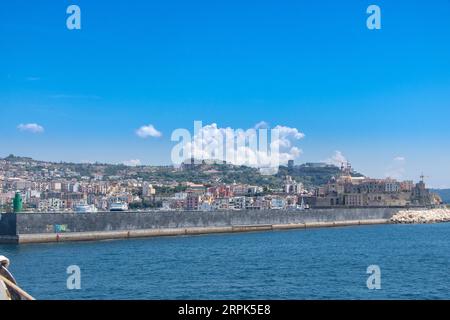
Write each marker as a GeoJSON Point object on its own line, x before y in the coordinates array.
{"type": "Point", "coordinates": [17, 203]}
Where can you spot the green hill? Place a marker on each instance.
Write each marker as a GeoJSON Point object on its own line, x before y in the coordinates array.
{"type": "Point", "coordinates": [313, 174]}
{"type": "Point", "coordinates": [310, 174]}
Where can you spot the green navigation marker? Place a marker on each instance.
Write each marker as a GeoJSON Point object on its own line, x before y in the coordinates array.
{"type": "Point", "coordinates": [17, 203]}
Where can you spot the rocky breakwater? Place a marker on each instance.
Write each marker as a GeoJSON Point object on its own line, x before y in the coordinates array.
{"type": "Point", "coordinates": [422, 216]}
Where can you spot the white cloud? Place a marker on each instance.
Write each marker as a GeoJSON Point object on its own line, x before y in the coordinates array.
{"type": "Point", "coordinates": [337, 159]}
{"type": "Point", "coordinates": [396, 169]}
{"type": "Point", "coordinates": [240, 146]}
{"type": "Point", "coordinates": [30, 127]}
{"type": "Point", "coordinates": [290, 132]}
{"type": "Point", "coordinates": [132, 162]}
{"type": "Point", "coordinates": [148, 131]}
{"type": "Point", "coordinates": [287, 135]}
{"type": "Point", "coordinates": [295, 152]}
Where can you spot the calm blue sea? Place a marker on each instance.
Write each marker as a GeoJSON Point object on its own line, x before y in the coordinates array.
{"type": "Point", "coordinates": [328, 263]}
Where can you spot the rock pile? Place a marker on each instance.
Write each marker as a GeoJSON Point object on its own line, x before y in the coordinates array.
{"type": "Point", "coordinates": [422, 216]}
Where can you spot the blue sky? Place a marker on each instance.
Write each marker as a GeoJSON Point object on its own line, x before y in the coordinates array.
{"type": "Point", "coordinates": [375, 96]}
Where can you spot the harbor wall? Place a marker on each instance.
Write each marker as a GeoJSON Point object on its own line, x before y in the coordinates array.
{"type": "Point", "coordinates": [8, 222]}
{"type": "Point", "coordinates": [46, 227]}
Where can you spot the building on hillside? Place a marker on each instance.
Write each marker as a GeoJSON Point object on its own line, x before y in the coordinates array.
{"type": "Point", "coordinates": [292, 187]}
{"type": "Point", "coordinates": [192, 202]}
{"type": "Point", "coordinates": [347, 190]}
{"type": "Point", "coordinates": [148, 190]}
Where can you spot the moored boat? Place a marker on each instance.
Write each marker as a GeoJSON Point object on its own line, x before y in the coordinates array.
{"type": "Point", "coordinates": [85, 208]}
{"type": "Point", "coordinates": [118, 206]}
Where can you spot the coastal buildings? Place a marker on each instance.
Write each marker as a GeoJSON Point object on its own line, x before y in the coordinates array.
{"type": "Point", "coordinates": [347, 190]}
{"type": "Point", "coordinates": [148, 190]}
{"type": "Point", "coordinates": [293, 187]}
{"type": "Point", "coordinates": [52, 187]}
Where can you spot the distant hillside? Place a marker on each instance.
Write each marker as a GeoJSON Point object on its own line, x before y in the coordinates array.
{"type": "Point", "coordinates": [443, 193]}
{"type": "Point", "coordinates": [13, 158]}
{"type": "Point", "coordinates": [316, 174]}
{"type": "Point", "coordinates": [310, 174]}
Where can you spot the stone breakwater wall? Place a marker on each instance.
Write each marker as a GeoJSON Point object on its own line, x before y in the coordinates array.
{"type": "Point", "coordinates": [54, 227]}
{"type": "Point", "coordinates": [422, 216]}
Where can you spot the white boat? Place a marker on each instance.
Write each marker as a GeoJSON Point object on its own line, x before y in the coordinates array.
{"type": "Point", "coordinates": [85, 208]}
{"type": "Point", "coordinates": [118, 206]}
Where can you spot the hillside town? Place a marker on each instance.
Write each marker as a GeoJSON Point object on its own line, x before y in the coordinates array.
{"type": "Point", "coordinates": [36, 186]}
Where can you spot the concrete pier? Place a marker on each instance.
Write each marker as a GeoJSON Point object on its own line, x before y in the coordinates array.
{"type": "Point", "coordinates": [148, 233]}
{"type": "Point", "coordinates": [61, 227]}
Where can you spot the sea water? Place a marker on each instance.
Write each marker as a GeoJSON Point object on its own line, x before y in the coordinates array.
{"type": "Point", "coordinates": [328, 263]}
